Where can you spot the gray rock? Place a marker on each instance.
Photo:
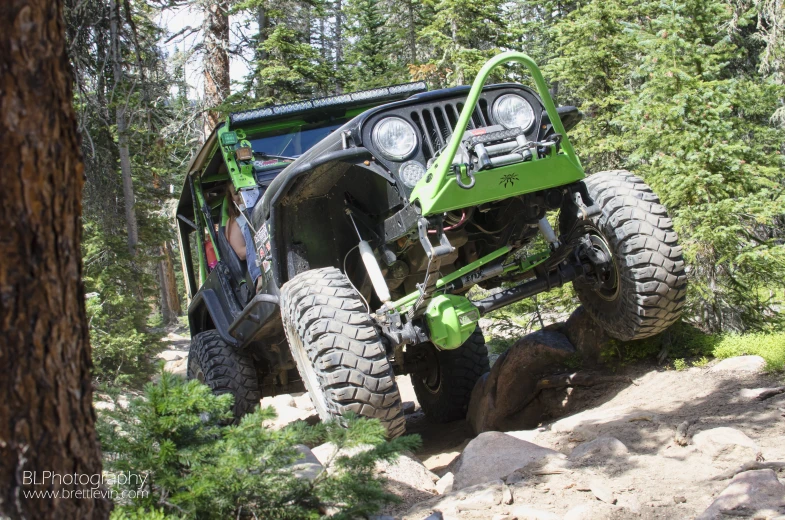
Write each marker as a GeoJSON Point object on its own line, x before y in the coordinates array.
{"type": "Point", "coordinates": [303, 402]}
{"type": "Point", "coordinates": [445, 484]}
{"type": "Point", "coordinates": [753, 494]}
{"type": "Point", "coordinates": [601, 490]}
{"type": "Point", "coordinates": [588, 338]}
{"type": "Point", "coordinates": [408, 407]}
{"type": "Point", "coordinates": [171, 355]}
{"type": "Point", "coordinates": [436, 515]}
{"type": "Point", "coordinates": [494, 455]}
{"type": "Point", "coordinates": [511, 384]}
{"type": "Point", "coordinates": [178, 367]}
{"type": "Point", "coordinates": [475, 498]}
{"type": "Point", "coordinates": [726, 445]}
{"type": "Point", "coordinates": [289, 414]}
{"type": "Point", "coordinates": [529, 513]}
{"type": "Point", "coordinates": [307, 466]}
{"type": "Point", "coordinates": [279, 401]}
{"type": "Point", "coordinates": [410, 472]}
{"type": "Point", "coordinates": [507, 495]}
{"type": "Point", "coordinates": [605, 447]}
{"type": "Point", "coordinates": [740, 364]}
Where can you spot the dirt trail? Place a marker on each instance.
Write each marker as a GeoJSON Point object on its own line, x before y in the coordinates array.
{"type": "Point", "coordinates": [656, 477]}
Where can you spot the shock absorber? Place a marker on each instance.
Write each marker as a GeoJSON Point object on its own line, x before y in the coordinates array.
{"type": "Point", "coordinates": [371, 265]}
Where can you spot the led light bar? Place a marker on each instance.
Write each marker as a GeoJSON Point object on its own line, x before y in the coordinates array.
{"type": "Point", "coordinates": [378, 95]}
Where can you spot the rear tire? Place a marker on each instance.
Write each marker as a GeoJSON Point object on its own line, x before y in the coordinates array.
{"type": "Point", "coordinates": [337, 350]}
{"type": "Point", "coordinates": [444, 394]}
{"type": "Point", "coordinates": [651, 284]}
{"type": "Point", "coordinates": [225, 370]}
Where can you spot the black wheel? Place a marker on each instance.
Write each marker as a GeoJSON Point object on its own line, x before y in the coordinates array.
{"type": "Point", "coordinates": [225, 370]}
{"type": "Point", "coordinates": [445, 390]}
{"type": "Point", "coordinates": [337, 350]}
{"type": "Point", "coordinates": [647, 288]}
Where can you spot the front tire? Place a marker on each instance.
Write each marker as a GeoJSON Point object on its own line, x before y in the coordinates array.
{"type": "Point", "coordinates": [650, 286]}
{"type": "Point", "coordinates": [445, 391]}
{"type": "Point", "coordinates": [225, 370]}
{"type": "Point", "coordinates": [337, 350]}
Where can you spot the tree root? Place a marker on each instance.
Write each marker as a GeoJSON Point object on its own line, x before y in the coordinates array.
{"type": "Point", "coordinates": [749, 466]}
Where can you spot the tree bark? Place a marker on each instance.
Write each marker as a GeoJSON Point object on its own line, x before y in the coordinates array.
{"type": "Point", "coordinates": [412, 32]}
{"type": "Point", "coordinates": [47, 421]}
{"type": "Point", "coordinates": [216, 60]}
{"type": "Point", "coordinates": [122, 130]}
{"type": "Point", "coordinates": [338, 46]}
{"type": "Point", "coordinates": [170, 301]}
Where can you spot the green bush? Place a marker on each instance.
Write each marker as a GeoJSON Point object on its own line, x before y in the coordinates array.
{"type": "Point", "coordinates": [768, 345]}
{"type": "Point", "coordinates": [198, 467]}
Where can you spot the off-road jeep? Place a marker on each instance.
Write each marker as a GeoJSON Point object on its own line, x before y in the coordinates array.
{"type": "Point", "coordinates": [374, 213]}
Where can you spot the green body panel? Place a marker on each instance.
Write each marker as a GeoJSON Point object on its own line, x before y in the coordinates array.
{"type": "Point", "coordinates": [501, 183]}
{"type": "Point", "coordinates": [242, 175]}
{"type": "Point", "coordinates": [451, 320]}
{"type": "Point", "coordinates": [438, 190]}
{"type": "Point", "coordinates": [198, 204]}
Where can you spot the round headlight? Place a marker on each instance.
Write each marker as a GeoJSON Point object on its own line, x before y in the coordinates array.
{"type": "Point", "coordinates": [411, 172]}
{"type": "Point", "coordinates": [394, 137]}
{"type": "Point", "coordinates": [513, 111]}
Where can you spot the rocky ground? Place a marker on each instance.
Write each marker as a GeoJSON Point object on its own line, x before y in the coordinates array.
{"type": "Point", "coordinates": [639, 442]}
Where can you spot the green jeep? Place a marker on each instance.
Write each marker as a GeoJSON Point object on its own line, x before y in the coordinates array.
{"type": "Point", "coordinates": [371, 215]}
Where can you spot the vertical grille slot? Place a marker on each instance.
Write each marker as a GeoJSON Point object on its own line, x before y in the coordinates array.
{"type": "Point", "coordinates": [433, 129]}
{"type": "Point", "coordinates": [429, 150]}
{"type": "Point", "coordinates": [445, 129]}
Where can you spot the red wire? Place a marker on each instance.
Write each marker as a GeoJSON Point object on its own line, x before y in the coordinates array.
{"type": "Point", "coordinates": [449, 228]}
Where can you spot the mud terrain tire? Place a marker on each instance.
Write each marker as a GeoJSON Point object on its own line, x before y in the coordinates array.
{"type": "Point", "coordinates": [338, 351]}
{"type": "Point", "coordinates": [652, 283]}
{"type": "Point", "coordinates": [225, 370]}
{"type": "Point", "coordinates": [446, 398]}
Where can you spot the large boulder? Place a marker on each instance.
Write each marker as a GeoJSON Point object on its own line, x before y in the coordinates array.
{"type": "Point", "coordinates": [494, 455]}
{"type": "Point", "coordinates": [588, 338]}
{"type": "Point", "coordinates": [748, 364]}
{"type": "Point", "coordinates": [727, 446]}
{"type": "Point", "coordinates": [600, 448]}
{"type": "Point", "coordinates": [511, 384]}
{"type": "Point", "coordinates": [753, 494]}
{"type": "Point", "coordinates": [476, 499]}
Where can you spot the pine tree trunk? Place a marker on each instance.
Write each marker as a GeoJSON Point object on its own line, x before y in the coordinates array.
{"type": "Point", "coordinates": [338, 45]}
{"type": "Point", "coordinates": [122, 131]}
{"type": "Point", "coordinates": [47, 421]}
{"type": "Point", "coordinates": [170, 301]}
{"type": "Point", "coordinates": [412, 32]}
{"type": "Point", "coordinates": [216, 60]}
{"type": "Point", "coordinates": [261, 54]}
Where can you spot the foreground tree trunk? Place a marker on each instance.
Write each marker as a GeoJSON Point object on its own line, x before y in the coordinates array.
{"type": "Point", "coordinates": [216, 60]}
{"type": "Point", "coordinates": [47, 421]}
{"type": "Point", "coordinates": [170, 301]}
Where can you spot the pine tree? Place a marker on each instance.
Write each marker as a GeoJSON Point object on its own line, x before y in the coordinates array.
{"type": "Point", "coordinates": [592, 61]}
{"type": "Point", "coordinates": [370, 55]}
{"type": "Point", "coordinates": [461, 36]}
{"type": "Point", "coordinates": [702, 138]}
{"type": "Point", "coordinates": [198, 468]}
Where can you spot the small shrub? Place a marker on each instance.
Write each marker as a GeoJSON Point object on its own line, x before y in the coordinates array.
{"type": "Point", "coordinates": [198, 468]}
{"type": "Point", "coordinates": [679, 364]}
{"type": "Point", "coordinates": [702, 362]}
{"type": "Point", "coordinates": [768, 345]}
